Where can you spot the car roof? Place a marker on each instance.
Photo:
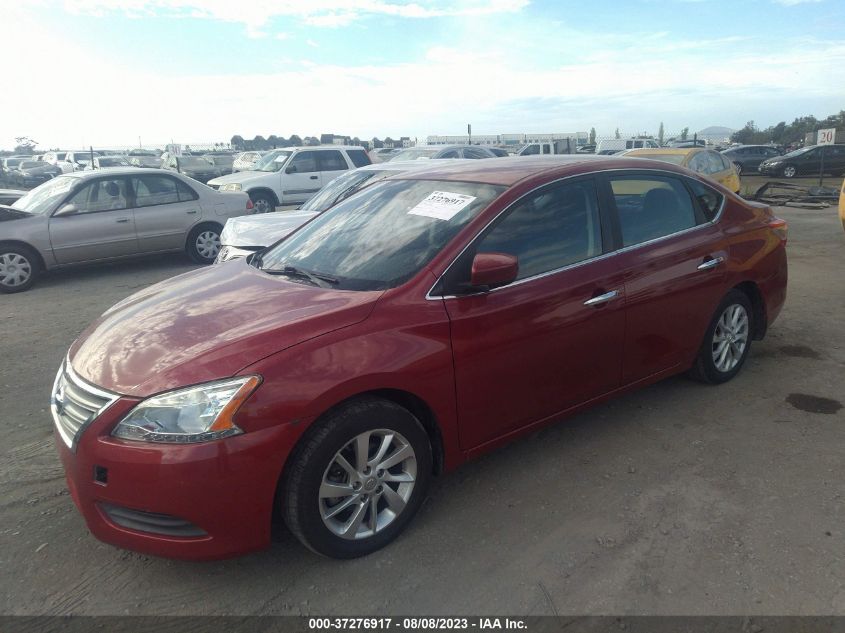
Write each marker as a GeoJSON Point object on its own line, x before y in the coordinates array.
{"type": "Point", "coordinates": [511, 170]}
{"type": "Point", "coordinates": [409, 165]}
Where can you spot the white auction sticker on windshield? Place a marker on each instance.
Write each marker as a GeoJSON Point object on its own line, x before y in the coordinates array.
{"type": "Point", "coordinates": [442, 205]}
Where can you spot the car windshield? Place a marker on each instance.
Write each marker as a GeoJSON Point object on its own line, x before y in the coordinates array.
{"type": "Point", "coordinates": [112, 161]}
{"type": "Point", "coordinates": [42, 199]}
{"type": "Point", "coordinates": [29, 164]}
{"type": "Point", "coordinates": [415, 153]}
{"type": "Point", "coordinates": [798, 152]}
{"type": "Point", "coordinates": [272, 161]}
{"type": "Point", "coordinates": [220, 160]}
{"type": "Point", "coordinates": [381, 236]}
{"type": "Point", "coordinates": [344, 186]}
{"type": "Point", "coordinates": [193, 162]}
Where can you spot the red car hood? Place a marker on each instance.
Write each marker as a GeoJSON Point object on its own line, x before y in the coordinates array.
{"type": "Point", "coordinates": [205, 325]}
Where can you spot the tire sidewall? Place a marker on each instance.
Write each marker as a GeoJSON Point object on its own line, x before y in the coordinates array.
{"type": "Point", "coordinates": [34, 267]}
{"type": "Point", "coordinates": [193, 253]}
{"type": "Point", "coordinates": [708, 366]}
{"type": "Point", "coordinates": [346, 424]}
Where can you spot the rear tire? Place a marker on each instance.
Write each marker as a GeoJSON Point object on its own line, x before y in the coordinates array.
{"type": "Point", "coordinates": [19, 268]}
{"type": "Point", "coordinates": [726, 342]}
{"type": "Point", "coordinates": [373, 505]}
{"type": "Point", "coordinates": [204, 243]}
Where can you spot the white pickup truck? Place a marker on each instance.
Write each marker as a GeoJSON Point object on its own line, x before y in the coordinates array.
{"type": "Point", "coordinates": [557, 146]}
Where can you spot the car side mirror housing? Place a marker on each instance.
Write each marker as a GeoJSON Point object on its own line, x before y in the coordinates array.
{"type": "Point", "coordinates": [65, 210]}
{"type": "Point", "coordinates": [490, 270]}
{"type": "Point", "coordinates": [291, 169]}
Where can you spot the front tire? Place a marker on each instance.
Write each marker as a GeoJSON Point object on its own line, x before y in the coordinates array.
{"type": "Point", "coordinates": [19, 268]}
{"type": "Point", "coordinates": [790, 171]}
{"type": "Point", "coordinates": [357, 479]}
{"type": "Point", "coordinates": [262, 202]}
{"type": "Point", "coordinates": [726, 342]}
{"type": "Point", "coordinates": [204, 243]}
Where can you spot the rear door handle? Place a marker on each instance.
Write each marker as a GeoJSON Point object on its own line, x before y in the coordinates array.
{"type": "Point", "coordinates": [122, 220]}
{"type": "Point", "coordinates": [711, 263]}
{"type": "Point", "coordinates": [602, 299]}
{"type": "Point", "coordinates": [313, 177]}
{"type": "Point", "coordinates": [191, 212]}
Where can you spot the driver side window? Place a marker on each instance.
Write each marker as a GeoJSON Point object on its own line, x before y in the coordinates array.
{"type": "Point", "coordinates": [304, 162]}
{"type": "Point", "coordinates": [101, 195]}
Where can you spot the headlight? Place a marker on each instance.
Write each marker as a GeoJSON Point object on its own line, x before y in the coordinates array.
{"type": "Point", "coordinates": [232, 186]}
{"type": "Point", "coordinates": [197, 414]}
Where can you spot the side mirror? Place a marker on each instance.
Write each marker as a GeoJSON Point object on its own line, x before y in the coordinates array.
{"type": "Point", "coordinates": [493, 269]}
{"type": "Point", "coordinates": [291, 169]}
{"type": "Point", "coordinates": [65, 210]}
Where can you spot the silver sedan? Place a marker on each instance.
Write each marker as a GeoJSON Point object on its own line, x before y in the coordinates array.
{"type": "Point", "coordinates": [104, 215]}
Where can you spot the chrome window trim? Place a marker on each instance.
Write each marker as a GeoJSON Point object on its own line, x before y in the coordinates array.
{"type": "Point", "coordinates": [109, 396]}
{"type": "Point", "coordinates": [624, 249]}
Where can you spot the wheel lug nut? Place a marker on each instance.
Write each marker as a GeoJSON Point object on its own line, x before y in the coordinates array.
{"type": "Point", "coordinates": [379, 473]}
{"type": "Point", "coordinates": [380, 489]}
{"type": "Point", "coordinates": [356, 485]}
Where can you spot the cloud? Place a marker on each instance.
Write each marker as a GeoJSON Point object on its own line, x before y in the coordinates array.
{"type": "Point", "coordinates": [255, 14]}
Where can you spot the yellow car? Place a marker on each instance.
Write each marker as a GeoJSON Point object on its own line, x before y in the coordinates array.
{"type": "Point", "coordinates": [704, 161]}
{"type": "Point", "coordinates": [842, 204]}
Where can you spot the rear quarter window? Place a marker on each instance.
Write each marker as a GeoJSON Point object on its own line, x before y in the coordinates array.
{"type": "Point", "coordinates": [359, 157]}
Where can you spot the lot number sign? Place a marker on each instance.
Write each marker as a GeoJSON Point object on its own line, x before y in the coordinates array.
{"type": "Point", "coordinates": [827, 137]}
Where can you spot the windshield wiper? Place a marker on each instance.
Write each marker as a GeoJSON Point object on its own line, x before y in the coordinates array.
{"type": "Point", "coordinates": [318, 279]}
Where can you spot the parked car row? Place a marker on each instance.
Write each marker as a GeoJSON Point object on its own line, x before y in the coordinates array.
{"type": "Point", "coordinates": [429, 317]}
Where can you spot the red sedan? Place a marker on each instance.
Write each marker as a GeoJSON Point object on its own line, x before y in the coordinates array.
{"type": "Point", "coordinates": [420, 323]}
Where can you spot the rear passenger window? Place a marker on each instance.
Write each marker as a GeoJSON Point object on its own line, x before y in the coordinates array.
{"type": "Point", "coordinates": [331, 160]}
{"type": "Point", "coordinates": [452, 153]}
{"type": "Point", "coordinates": [473, 152]}
{"type": "Point", "coordinates": [709, 200]}
{"type": "Point", "coordinates": [651, 207]}
{"type": "Point", "coordinates": [154, 190]}
{"type": "Point", "coordinates": [547, 230]}
{"type": "Point", "coordinates": [185, 192]}
{"type": "Point", "coordinates": [359, 157]}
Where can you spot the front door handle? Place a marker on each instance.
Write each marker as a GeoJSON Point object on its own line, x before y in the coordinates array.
{"type": "Point", "coordinates": [313, 177]}
{"type": "Point", "coordinates": [602, 299]}
{"type": "Point", "coordinates": [122, 220]}
{"type": "Point", "coordinates": [711, 263]}
{"type": "Point", "coordinates": [191, 212]}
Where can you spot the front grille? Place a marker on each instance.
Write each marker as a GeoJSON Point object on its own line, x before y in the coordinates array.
{"type": "Point", "coordinates": [142, 521]}
{"type": "Point", "coordinates": [75, 404]}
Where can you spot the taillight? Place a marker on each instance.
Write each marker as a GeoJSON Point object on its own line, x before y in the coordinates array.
{"type": "Point", "coordinates": [249, 205]}
{"type": "Point", "coordinates": [780, 228]}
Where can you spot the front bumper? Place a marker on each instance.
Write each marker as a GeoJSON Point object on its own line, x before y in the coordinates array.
{"type": "Point", "coordinates": [194, 501]}
{"type": "Point", "coordinates": [770, 170]}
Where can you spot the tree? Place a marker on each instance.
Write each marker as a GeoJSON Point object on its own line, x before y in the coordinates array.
{"type": "Point", "coordinates": [684, 133]}
{"type": "Point", "coordinates": [259, 142]}
{"type": "Point", "coordinates": [616, 134]}
{"type": "Point", "coordinates": [592, 136]}
{"type": "Point", "coordinates": [237, 141]}
{"type": "Point", "coordinates": [295, 141]}
{"type": "Point", "coordinates": [377, 144]}
{"type": "Point", "coordinates": [388, 142]}
{"type": "Point", "coordinates": [272, 141]}
{"type": "Point", "coordinates": [24, 145]}
{"type": "Point", "coordinates": [356, 141]}
{"type": "Point", "coordinates": [660, 133]}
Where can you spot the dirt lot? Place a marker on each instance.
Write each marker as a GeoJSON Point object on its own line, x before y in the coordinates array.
{"type": "Point", "coordinates": [679, 499]}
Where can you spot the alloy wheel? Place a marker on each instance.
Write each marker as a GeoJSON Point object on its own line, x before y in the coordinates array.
{"type": "Point", "coordinates": [730, 338]}
{"type": "Point", "coordinates": [789, 171]}
{"type": "Point", "coordinates": [262, 205]}
{"type": "Point", "coordinates": [367, 484]}
{"type": "Point", "coordinates": [208, 244]}
{"type": "Point", "coordinates": [15, 270]}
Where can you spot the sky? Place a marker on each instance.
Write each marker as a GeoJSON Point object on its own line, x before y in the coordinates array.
{"type": "Point", "coordinates": [119, 72]}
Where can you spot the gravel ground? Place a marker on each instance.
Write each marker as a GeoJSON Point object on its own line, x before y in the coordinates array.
{"type": "Point", "coordinates": [678, 499]}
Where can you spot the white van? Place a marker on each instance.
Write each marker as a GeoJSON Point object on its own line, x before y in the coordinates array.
{"type": "Point", "coordinates": [613, 145]}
